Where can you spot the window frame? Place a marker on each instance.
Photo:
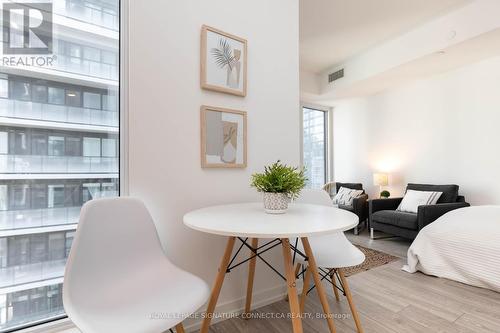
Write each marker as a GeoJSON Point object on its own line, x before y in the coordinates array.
{"type": "Point", "coordinates": [328, 146]}
{"type": "Point", "coordinates": [63, 322]}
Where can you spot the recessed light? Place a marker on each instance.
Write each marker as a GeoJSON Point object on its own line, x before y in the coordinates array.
{"type": "Point", "coordinates": [71, 94]}
{"type": "Point", "coordinates": [441, 52]}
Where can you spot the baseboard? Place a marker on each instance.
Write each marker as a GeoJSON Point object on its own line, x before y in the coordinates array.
{"type": "Point", "coordinates": [234, 307]}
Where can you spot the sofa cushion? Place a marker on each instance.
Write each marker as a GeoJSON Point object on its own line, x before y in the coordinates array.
{"type": "Point", "coordinates": [396, 218]}
{"type": "Point", "coordinates": [413, 199]}
{"type": "Point", "coordinates": [345, 196]}
{"type": "Point", "coordinates": [450, 192]}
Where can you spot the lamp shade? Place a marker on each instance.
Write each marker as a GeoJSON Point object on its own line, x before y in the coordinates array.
{"type": "Point", "coordinates": [380, 179]}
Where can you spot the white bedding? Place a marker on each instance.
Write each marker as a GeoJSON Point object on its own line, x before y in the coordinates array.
{"type": "Point", "coordinates": [462, 245]}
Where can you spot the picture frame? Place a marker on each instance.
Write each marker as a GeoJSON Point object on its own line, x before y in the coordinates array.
{"type": "Point", "coordinates": [223, 137]}
{"type": "Point", "coordinates": [223, 62]}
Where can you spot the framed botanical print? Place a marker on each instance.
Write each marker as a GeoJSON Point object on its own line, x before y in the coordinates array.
{"type": "Point", "coordinates": [223, 138]}
{"type": "Point", "coordinates": [223, 62]}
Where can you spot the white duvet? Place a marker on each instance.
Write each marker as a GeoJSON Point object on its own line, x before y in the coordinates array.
{"type": "Point", "coordinates": [462, 245]}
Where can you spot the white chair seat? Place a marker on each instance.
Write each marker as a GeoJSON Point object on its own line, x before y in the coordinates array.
{"type": "Point", "coordinates": [118, 278]}
{"type": "Point", "coordinates": [332, 251]}
{"type": "Point", "coordinates": [144, 303]}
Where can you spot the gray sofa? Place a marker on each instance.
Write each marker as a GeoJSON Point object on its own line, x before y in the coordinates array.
{"type": "Point", "coordinates": [384, 216]}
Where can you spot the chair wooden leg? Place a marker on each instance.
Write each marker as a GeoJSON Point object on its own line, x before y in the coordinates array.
{"type": "Point", "coordinates": [251, 274]}
{"type": "Point", "coordinates": [319, 286]}
{"type": "Point", "coordinates": [219, 280]}
{"type": "Point", "coordinates": [293, 299]}
{"type": "Point", "coordinates": [350, 300]}
{"type": "Point", "coordinates": [179, 328]}
{"type": "Point", "coordinates": [335, 290]}
{"type": "Point", "coordinates": [305, 288]}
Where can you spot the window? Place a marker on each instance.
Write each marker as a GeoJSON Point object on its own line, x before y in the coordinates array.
{"type": "Point", "coordinates": [56, 196]}
{"type": "Point", "coordinates": [65, 155]}
{"type": "Point", "coordinates": [73, 146]}
{"type": "Point", "coordinates": [21, 90]}
{"type": "Point", "coordinates": [56, 145]}
{"type": "Point", "coordinates": [109, 147]}
{"type": "Point", "coordinates": [56, 95]}
{"type": "Point", "coordinates": [314, 146]}
{"type": "Point", "coordinates": [110, 101]}
{"type": "Point", "coordinates": [91, 100]}
{"type": "Point", "coordinates": [73, 98]}
{"type": "Point", "coordinates": [39, 93]}
{"type": "Point", "coordinates": [4, 142]}
{"type": "Point", "coordinates": [91, 147]}
{"type": "Point", "coordinates": [4, 88]}
{"type": "Point", "coordinates": [19, 143]}
{"type": "Point", "coordinates": [38, 144]}
{"type": "Point", "coordinates": [91, 53]}
{"type": "Point", "coordinates": [38, 196]}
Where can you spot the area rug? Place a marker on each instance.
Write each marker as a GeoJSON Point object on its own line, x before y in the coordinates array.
{"type": "Point", "coordinates": [373, 259]}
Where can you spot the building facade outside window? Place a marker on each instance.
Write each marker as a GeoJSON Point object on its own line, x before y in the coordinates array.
{"type": "Point", "coordinates": [315, 146]}
{"type": "Point", "coordinates": [59, 148]}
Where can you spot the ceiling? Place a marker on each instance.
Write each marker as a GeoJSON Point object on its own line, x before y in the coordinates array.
{"type": "Point", "coordinates": [332, 31]}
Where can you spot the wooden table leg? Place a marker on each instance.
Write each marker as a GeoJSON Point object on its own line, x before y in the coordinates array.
{"type": "Point", "coordinates": [251, 274]}
{"type": "Point", "coordinates": [293, 299]}
{"type": "Point", "coordinates": [298, 267]}
{"type": "Point", "coordinates": [219, 280]}
{"type": "Point", "coordinates": [334, 281]}
{"type": "Point", "coordinates": [348, 294]}
{"type": "Point", "coordinates": [297, 270]}
{"type": "Point", "coordinates": [179, 328]}
{"type": "Point", "coordinates": [319, 286]}
{"type": "Point", "coordinates": [305, 288]}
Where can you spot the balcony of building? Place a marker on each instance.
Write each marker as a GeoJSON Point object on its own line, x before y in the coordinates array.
{"type": "Point", "coordinates": [57, 164]}
{"type": "Point", "coordinates": [72, 65]}
{"type": "Point", "coordinates": [92, 12]}
{"type": "Point", "coordinates": [38, 218]}
{"type": "Point", "coordinates": [22, 274]}
{"type": "Point", "coordinates": [57, 113]}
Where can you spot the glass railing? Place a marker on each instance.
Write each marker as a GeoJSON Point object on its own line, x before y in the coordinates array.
{"type": "Point", "coordinates": [15, 275]}
{"type": "Point", "coordinates": [86, 67]}
{"type": "Point", "coordinates": [35, 218]}
{"type": "Point", "coordinates": [60, 113]}
{"type": "Point", "coordinates": [57, 164]}
{"type": "Point", "coordinates": [85, 12]}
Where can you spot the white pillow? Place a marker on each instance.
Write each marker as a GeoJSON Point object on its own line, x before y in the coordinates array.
{"type": "Point", "coordinates": [345, 196]}
{"type": "Point", "coordinates": [413, 199]}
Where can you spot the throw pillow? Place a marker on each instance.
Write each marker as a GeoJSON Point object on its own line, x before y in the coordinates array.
{"type": "Point", "coordinates": [345, 196]}
{"type": "Point", "coordinates": [413, 199]}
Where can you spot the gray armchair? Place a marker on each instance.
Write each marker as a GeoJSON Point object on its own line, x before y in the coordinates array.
{"type": "Point", "coordinates": [384, 216]}
{"type": "Point", "coordinates": [359, 204]}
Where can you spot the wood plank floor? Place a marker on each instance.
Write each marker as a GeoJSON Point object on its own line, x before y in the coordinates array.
{"type": "Point", "coordinates": [395, 246]}
{"type": "Point", "coordinates": [389, 301]}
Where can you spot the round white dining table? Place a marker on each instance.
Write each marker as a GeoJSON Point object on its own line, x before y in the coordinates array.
{"type": "Point", "coordinates": [249, 221]}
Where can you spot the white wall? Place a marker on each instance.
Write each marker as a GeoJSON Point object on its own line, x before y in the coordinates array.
{"type": "Point", "coordinates": [165, 97]}
{"type": "Point", "coordinates": [440, 130]}
{"type": "Point", "coordinates": [396, 58]}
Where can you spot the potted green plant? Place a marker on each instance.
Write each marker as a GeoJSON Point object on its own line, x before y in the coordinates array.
{"type": "Point", "coordinates": [385, 194]}
{"type": "Point", "coordinates": [279, 183]}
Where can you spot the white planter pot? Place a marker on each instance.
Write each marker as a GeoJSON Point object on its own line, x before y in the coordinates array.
{"type": "Point", "coordinates": [275, 203]}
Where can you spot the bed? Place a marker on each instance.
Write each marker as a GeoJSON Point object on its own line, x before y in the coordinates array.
{"type": "Point", "coordinates": [462, 245]}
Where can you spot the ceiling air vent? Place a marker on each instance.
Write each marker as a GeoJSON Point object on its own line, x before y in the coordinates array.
{"type": "Point", "coordinates": [336, 75]}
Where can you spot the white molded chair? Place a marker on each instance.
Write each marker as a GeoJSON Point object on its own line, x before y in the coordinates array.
{"type": "Point", "coordinates": [118, 278]}
{"type": "Point", "coordinates": [332, 253]}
